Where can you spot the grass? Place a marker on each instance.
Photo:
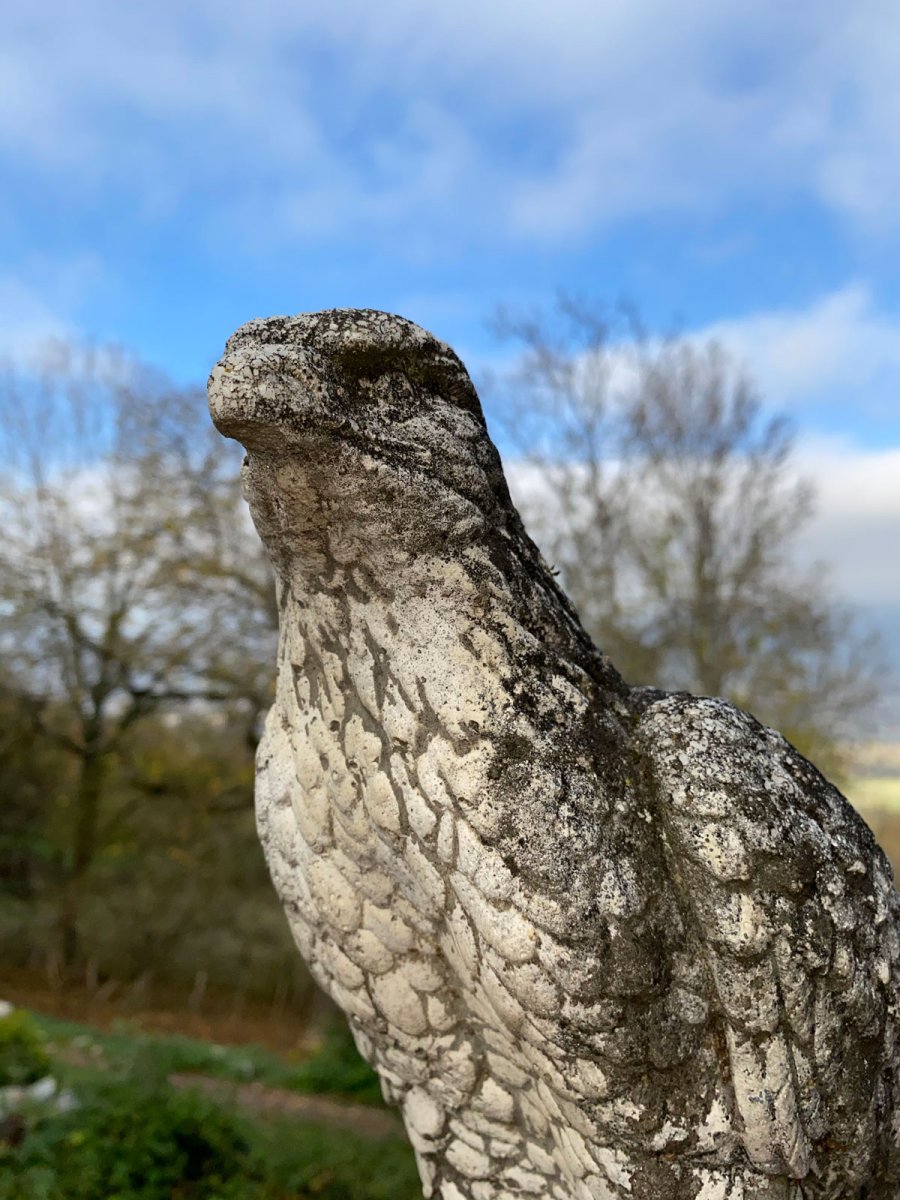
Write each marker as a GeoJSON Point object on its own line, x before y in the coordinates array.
{"type": "Point", "coordinates": [334, 1069]}
{"type": "Point", "coordinates": [132, 1136]}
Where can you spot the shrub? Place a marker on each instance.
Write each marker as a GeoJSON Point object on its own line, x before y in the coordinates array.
{"type": "Point", "coordinates": [126, 1142]}
{"type": "Point", "coordinates": [315, 1162]}
{"type": "Point", "coordinates": [338, 1067]}
{"type": "Point", "coordinates": [23, 1058]}
{"type": "Point", "coordinates": [134, 1141]}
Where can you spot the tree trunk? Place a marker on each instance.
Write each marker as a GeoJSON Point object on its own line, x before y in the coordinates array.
{"type": "Point", "coordinates": [87, 799]}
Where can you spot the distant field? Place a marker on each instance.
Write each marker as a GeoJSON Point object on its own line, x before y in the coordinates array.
{"type": "Point", "coordinates": [876, 792]}
{"type": "Point", "coordinates": [877, 799]}
{"type": "Point", "coordinates": [877, 758]}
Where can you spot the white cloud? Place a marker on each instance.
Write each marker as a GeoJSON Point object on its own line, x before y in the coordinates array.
{"type": "Point", "coordinates": [854, 533]}
{"type": "Point", "coordinates": [841, 356]}
{"type": "Point", "coordinates": [856, 525]}
{"type": "Point", "coordinates": [840, 353]}
{"type": "Point", "coordinates": [850, 540]}
{"type": "Point", "coordinates": [834, 362]}
{"type": "Point", "coordinates": [540, 119]}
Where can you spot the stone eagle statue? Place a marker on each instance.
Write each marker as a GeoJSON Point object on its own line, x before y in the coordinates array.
{"type": "Point", "coordinates": [598, 942]}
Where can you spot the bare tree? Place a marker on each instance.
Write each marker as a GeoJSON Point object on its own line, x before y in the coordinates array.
{"type": "Point", "coordinates": [651, 476]}
{"type": "Point", "coordinates": [128, 579]}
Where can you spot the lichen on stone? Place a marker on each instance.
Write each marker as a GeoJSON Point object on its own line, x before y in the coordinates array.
{"type": "Point", "coordinates": [599, 942]}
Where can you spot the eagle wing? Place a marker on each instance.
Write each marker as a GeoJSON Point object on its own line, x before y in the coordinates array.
{"type": "Point", "coordinates": [796, 919]}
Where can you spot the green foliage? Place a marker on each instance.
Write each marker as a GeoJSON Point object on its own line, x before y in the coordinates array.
{"type": "Point", "coordinates": [134, 1137]}
{"type": "Point", "coordinates": [23, 1054]}
{"type": "Point", "coordinates": [32, 773]}
{"type": "Point", "coordinates": [177, 886]}
{"type": "Point", "coordinates": [126, 1142]}
{"type": "Point", "coordinates": [336, 1068]}
{"type": "Point", "coordinates": [315, 1161]}
{"type": "Point", "coordinates": [138, 1141]}
{"type": "Point", "coordinates": [138, 595]}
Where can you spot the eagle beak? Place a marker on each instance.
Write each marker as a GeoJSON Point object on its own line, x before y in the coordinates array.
{"type": "Point", "coordinates": [240, 403]}
{"type": "Point", "coordinates": [230, 401]}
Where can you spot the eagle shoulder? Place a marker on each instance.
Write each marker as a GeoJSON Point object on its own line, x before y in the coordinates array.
{"type": "Point", "coordinates": [795, 917]}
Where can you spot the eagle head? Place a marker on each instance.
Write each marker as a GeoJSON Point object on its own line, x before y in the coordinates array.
{"type": "Point", "coordinates": [365, 438]}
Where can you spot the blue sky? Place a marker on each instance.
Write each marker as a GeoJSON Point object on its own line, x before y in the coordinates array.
{"type": "Point", "coordinates": [170, 170]}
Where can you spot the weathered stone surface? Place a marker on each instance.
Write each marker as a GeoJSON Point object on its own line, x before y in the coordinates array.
{"type": "Point", "coordinates": [599, 942]}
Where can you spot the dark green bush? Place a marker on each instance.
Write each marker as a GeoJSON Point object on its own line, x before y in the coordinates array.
{"type": "Point", "coordinates": [134, 1137]}
{"type": "Point", "coordinates": [127, 1143]}
{"type": "Point", "coordinates": [145, 1141]}
{"type": "Point", "coordinates": [23, 1058]}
